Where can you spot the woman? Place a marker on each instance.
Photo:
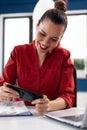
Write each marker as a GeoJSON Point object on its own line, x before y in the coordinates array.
{"type": "Point", "coordinates": [42, 66]}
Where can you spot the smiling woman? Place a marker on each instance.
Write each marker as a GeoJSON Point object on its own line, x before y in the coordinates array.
{"type": "Point", "coordinates": [43, 66]}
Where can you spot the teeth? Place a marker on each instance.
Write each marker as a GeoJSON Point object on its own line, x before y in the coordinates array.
{"type": "Point", "coordinates": [43, 46]}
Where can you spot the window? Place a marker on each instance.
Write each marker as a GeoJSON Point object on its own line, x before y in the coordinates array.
{"type": "Point", "coordinates": [75, 40]}
{"type": "Point", "coordinates": [17, 29]}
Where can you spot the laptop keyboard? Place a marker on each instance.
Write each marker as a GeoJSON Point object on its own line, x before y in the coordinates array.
{"type": "Point", "coordinates": [75, 118]}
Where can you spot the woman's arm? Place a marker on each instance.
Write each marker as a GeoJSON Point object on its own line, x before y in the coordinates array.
{"type": "Point", "coordinates": [45, 105]}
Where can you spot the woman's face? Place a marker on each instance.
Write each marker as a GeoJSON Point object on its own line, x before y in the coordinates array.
{"type": "Point", "coordinates": [48, 35]}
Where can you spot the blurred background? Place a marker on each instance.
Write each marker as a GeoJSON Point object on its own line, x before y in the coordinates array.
{"type": "Point", "coordinates": [17, 24]}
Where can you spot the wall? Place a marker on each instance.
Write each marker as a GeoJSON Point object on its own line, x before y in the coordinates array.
{"type": "Point", "coordinates": [17, 6]}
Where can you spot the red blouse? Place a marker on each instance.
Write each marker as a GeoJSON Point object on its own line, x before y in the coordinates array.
{"type": "Point", "coordinates": [54, 78]}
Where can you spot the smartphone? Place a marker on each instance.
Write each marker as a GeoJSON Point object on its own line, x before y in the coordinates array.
{"type": "Point", "coordinates": [25, 94]}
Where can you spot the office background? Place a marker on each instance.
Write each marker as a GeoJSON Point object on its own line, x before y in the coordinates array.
{"type": "Point", "coordinates": [16, 6]}
{"type": "Point", "coordinates": [27, 6]}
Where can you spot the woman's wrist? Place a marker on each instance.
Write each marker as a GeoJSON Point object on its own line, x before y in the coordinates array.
{"type": "Point", "coordinates": [57, 104]}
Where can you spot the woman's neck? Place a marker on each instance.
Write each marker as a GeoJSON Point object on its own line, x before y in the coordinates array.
{"type": "Point", "coordinates": [41, 58]}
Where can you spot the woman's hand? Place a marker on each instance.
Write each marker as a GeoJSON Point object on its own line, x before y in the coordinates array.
{"type": "Point", "coordinates": [41, 104]}
{"type": "Point", "coordinates": [7, 94]}
{"type": "Point", "coordinates": [45, 105]}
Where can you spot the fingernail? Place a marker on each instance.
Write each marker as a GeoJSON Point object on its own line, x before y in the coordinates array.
{"type": "Point", "coordinates": [17, 94]}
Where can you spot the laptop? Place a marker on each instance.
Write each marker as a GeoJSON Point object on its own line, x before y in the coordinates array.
{"type": "Point", "coordinates": [74, 116]}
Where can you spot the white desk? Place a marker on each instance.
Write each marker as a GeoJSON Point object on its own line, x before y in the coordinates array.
{"type": "Point", "coordinates": [32, 123]}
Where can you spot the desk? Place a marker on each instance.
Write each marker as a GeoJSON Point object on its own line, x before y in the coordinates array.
{"type": "Point", "coordinates": [35, 122]}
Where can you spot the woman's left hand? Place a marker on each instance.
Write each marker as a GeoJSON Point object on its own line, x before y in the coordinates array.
{"type": "Point", "coordinates": [41, 104]}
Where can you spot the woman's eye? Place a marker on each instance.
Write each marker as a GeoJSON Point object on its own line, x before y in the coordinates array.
{"type": "Point", "coordinates": [42, 34]}
{"type": "Point", "coordinates": [54, 40]}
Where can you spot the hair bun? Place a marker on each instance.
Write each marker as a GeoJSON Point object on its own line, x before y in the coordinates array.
{"type": "Point", "coordinates": [61, 5]}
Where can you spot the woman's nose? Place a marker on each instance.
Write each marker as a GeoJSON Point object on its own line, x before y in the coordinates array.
{"type": "Point", "coordinates": [46, 41]}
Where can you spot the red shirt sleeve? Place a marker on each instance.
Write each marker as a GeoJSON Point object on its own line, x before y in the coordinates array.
{"type": "Point", "coordinates": [66, 89]}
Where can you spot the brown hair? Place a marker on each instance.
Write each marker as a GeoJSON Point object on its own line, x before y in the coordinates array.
{"type": "Point", "coordinates": [61, 5]}
{"type": "Point", "coordinates": [57, 15]}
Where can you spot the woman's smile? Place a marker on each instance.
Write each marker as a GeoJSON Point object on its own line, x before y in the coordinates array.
{"type": "Point", "coordinates": [42, 46]}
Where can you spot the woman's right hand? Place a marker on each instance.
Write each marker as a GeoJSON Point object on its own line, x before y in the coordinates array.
{"type": "Point", "coordinates": [7, 94]}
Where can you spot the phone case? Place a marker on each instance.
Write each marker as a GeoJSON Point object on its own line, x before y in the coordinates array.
{"type": "Point", "coordinates": [26, 94]}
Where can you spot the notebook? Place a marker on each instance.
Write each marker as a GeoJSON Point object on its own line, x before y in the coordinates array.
{"type": "Point", "coordinates": [14, 109]}
{"type": "Point", "coordinates": [72, 116]}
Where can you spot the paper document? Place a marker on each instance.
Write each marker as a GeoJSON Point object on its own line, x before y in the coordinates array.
{"type": "Point", "coordinates": [14, 109]}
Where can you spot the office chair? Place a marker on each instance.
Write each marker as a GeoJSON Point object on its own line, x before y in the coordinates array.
{"type": "Point", "coordinates": [75, 90]}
